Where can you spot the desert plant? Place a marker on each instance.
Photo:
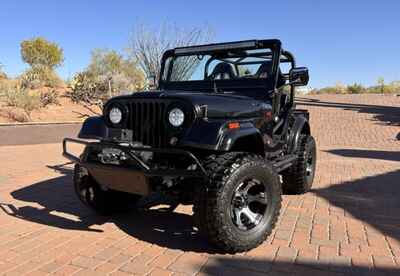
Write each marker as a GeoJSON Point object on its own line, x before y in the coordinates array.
{"type": "Point", "coordinates": [17, 115]}
{"type": "Point", "coordinates": [148, 45]}
{"type": "Point", "coordinates": [48, 97]}
{"type": "Point", "coordinates": [108, 74]}
{"type": "Point", "coordinates": [40, 76]}
{"type": "Point", "coordinates": [355, 88]}
{"type": "Point", "coordinates": [120, 73]}
{"type": "Point", "coordinates": [17, 96]}
{"type": "Point", "coordinates": [328, 90]}
{"type": "Point", "coordinates": [40, 52]}
{"type": "Point", "coordinates": [43, 56]}
{"type": "Point", "coordinates": [85, 88]}
{"type": "Point", "coordinates": [3, 75]}
{"type": "Point", "coordinates": [381, 84]}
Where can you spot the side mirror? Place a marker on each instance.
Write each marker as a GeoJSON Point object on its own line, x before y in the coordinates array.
{"type": "Point", "coordinates": [298, 76]}
{"type": "Point", "coordinates": [151, 81]}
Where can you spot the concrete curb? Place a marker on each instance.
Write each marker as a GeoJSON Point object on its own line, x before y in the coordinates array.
{"type": "Point", "coordinates": [40, 123]}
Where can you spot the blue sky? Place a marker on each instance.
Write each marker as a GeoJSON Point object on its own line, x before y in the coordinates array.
{"type": "Point", "coordinates": [346, 41]}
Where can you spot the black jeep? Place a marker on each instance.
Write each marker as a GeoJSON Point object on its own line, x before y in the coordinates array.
{"type": "Point", "coordinates": [221, 132]}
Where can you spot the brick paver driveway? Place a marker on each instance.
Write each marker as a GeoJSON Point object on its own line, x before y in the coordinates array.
{"type": "Point", "coordinates": [348, 224]}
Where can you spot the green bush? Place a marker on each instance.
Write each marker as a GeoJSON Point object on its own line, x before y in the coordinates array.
{"type": "Point", "coordinates": [85, 88]}
{"type": "Point", "coordinates": [108, 74]}
{"type": "Point", "coordinates": [381, 88]}
{"type": "Point", "coordinates": [330, 90]}
{"type": "Point", "coordinates": [40, 76]}
{"type": "Point", "coordinates": [40, 52]}
{"type": "Point", "coordinates": [355, 88]}
{"type": "Point", "coordinates": [43, 56]}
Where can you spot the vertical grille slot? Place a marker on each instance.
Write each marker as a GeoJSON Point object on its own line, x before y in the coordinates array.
{"type": "Point", "coordinates": [147, 122]}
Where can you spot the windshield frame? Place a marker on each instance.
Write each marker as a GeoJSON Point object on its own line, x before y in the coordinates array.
{"type": "Point", "coordinates": [223, 49]}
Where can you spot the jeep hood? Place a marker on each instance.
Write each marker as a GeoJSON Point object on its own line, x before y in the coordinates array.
{"type": "Point", "coordinates": [215, 105]}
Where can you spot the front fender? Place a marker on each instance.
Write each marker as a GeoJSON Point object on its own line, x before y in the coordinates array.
{"type": "Point", "coordinates": [203, 134]}
{"type": "Point", "coordinates": [96, 128]}
{"type": "Point", "coordinates": [93, 128]}
{"type": "Point", "coordinates": [246, 133]}
{"type": "Point", "coordinates": [215, 135]}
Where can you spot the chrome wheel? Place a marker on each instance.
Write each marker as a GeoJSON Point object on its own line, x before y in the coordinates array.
{"type": "Point", "coordinates": [249, 204]}
{"type": "Point", "coordinates": [310, 164]}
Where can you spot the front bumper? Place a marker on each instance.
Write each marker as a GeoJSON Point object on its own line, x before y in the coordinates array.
{"type": "Point", "coordinates": [135, 178]}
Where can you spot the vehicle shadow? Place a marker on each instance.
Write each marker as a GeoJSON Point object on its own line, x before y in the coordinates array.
{"type": "Point", "coordinates": [389, 115]}
{"type": "Point", "coordinates": [372, 199]}
{"type": "Point", "coordinates": [59, 207]}
{"type": "Point", "coordinates": [240, 265]}
{"type": "Point", "coordinates": [370, 154]}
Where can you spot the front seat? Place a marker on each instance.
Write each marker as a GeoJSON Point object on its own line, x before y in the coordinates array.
{"type": "Point", "coordinates": [223, 71]}
{"type": "Point", "coordinates": [265, 70]}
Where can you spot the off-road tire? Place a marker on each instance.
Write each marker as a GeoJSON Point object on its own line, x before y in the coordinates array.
{"type": "Point", "coordinates": [296, 179]}
{"type": "Point", "coordinates": [213, 200]}
{"type": "Point", "coordinates": [101, 201]}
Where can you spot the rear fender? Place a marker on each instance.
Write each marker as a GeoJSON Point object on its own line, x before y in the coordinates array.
{"type": "Point", "coordinates": [299, 127]}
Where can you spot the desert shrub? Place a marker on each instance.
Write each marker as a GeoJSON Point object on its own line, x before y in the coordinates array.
{"type": "Point", "coordinates": [17, 115]}
{"type": "Point", "coordinates": [118, 72]}
{"type": "Point", "coordinates": [40, 52]}
{"type": "Point", "coordinates": [373, 90]}
{"type": "Point", "coordinates": [49, 97]}
{"type": "Point", "coordinates": [17, 96]}
{"type": "Point", "coordinates": [382, 88]}
{"type": "Point", "coordinates": [109, 74]}
{"type": "Point", "coordinates": [355, 88]}
{"type": "Point", "coordinates": [85, 88]}
{"type": "Point", "coordinates": [40, 76]}
{"type": "Point", "coordinates": [43, 56]}
{"type": "Point", "coordinates": [3, 75]}
{"type": "Point", "coordinates": [329, 90]}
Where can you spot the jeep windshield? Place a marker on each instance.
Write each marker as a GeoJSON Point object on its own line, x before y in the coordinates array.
{"type": "Point", "coordinates": [220, 67]}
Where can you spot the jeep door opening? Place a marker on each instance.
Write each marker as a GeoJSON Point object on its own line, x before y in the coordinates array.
{"type": "Point", "coordinates": [221, 132]}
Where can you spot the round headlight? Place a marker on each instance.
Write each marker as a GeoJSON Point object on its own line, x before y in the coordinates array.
{"type": "Point", "coordinates": [176, 117]}
{"type": "Point", "coordinates": [115, 115]}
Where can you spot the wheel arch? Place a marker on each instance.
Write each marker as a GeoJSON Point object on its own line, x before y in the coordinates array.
{"type": "Point", "coordinates": [250, 143]}
{"type": "Point", "coordinates": [246, 139]}
{"type": "Point", "coordinates": [300, 126]}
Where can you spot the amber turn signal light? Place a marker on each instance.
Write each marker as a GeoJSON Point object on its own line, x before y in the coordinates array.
{"type": "Point", "coordinates": [234, 125]}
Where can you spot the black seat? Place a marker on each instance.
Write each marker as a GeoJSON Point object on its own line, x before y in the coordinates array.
{"type": "Point", "coordinates": [223, 71]}
{"type": "Point", "coordinates": [265, 70]}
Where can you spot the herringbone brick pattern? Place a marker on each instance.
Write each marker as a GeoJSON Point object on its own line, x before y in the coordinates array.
{"type": "Point", "coordinates": [348, 225]}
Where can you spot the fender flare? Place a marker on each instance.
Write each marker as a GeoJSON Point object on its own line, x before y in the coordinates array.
{"type": "Point", "coordinates": [299, 127]}
{"type": "Point", "coordinates": [247, 132]}
{"type": "Point", "coordinates": [93, 128]}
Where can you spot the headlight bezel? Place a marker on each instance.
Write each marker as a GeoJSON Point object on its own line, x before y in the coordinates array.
{"type": "Point", "coordinates": [177, 111]}
{"type": "Point", "coordinates": [188, 110]}
{"type": "Point", "coordinates": [123, 110]}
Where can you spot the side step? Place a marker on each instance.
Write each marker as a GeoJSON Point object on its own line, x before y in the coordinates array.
{"type": "Point", "coordinates": [285, 162]}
